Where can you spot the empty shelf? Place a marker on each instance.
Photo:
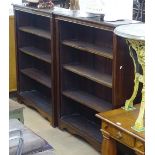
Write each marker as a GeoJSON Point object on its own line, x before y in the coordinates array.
{"type": "Point", "coordinates": [91, 74]}
{"type": "Point", "coordinates": [88, 100]}
{"type": "Point", "coordinates": [36, 31]}
{"type": "Point", "coordinates": [38, 101]}
{"type": "Point", "coordinates": [88, 47]}
{"type": "Point", "coordinates": [38, 76]}
{"type": "Point", "coordinates": [83, 126]}
{"type": "Point", "coordinates": [37, 53]}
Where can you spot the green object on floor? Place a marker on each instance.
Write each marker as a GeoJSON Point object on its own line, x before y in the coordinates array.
{"type": "Point", "coordinates": [16, 111]}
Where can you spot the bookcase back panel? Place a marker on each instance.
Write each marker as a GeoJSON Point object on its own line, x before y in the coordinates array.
{"type": "Point", "coordinates": [30, 40]}
{"type": "Point", "coordinates": [27, 61]}
{"type": "Point", "coordinates": [76, 32]}
{"type": "Point", "coordinates": [28, 84]}
{"type": "Point", "coordinates": [72, 108]}
{"type": "Point", "coordinates": [32, 20]}
{"type": "Point", "coordinates": [72, 82]}
{"type": "Point", "coordinates": [88, 60]}
{"type": "Point", "coordinates": [68, 107]}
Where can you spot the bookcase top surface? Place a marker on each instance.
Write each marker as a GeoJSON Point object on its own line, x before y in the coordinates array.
{"type": "Point", "coordinates": [34, 10]}
{"type": "Point", "coordinates": [72, 16]}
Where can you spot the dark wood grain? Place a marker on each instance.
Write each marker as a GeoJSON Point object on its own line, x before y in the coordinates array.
{"type": "Point", "coordinates": [83, 127]}
{"type": "Point", "coordinates": [86, 71]}
{"type": "Point", "coordinates": [88, 47]}
{"type": "Point", "coordinates": [39, 101]}
{"type": "Point", "coordinates": [91, 74]}
{"type": "Point", "coordinates": [37, 75]}
{"type": "Point", "coordinates": [36, 31]}
{"type": "Point", "coordinates": [37, 53]}
{"type": "Point", "coordinates": [88, 100]}
{"type": "Point", "coordinates": [72, 39]}
{"type": "Point", "coordinates": [123, 73]}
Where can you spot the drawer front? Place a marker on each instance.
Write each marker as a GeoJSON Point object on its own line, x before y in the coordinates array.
{"type": "Point", "coordinates": [139, 145]}
{"type": "Point", "coordinates": [119, 135]}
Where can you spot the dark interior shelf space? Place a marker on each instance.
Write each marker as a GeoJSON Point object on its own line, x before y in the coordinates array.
{"type": "Point", "coordinates": [36, 31]}
{"type": "Point", "coordinates": [88, 47]}
{"type": "Point", "coordinates": [38, 76]}
{"type": "Point", "coordinates": [91, 74]}
{"type": "Point", "coordinates": [83, 126]}
{"type": "Point", "coordinates": [38, 101]}
{"type": "Point", "coordinates": [88, 100]}
{"type": "Point", "coordinates": [37, 53]}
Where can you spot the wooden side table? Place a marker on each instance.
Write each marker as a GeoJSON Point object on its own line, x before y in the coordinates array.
{"type": "Point", "coordinates": [16, 111]}
{"type": "Point", "coordinates": [116, 126]}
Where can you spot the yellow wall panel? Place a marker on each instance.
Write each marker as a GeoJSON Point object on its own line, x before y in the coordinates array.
{"type": "Point", "coordinates": [12, 56]}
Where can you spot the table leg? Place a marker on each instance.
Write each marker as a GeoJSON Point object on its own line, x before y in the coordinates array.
{"type": "Point", "coordinates": [108, 145]}
{"type": "Point", "coordinates": [129, 102]}
{"type": "Point", "coordinates": [139, 47]}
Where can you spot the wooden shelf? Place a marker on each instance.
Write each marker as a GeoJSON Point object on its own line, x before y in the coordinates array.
{"type": "Point", "coordinates": [88, 100]}
{"type": "Point", "coordinates": [38, 101]}
{"type": "Point", "coordinates": [93, 75]}
{"type": "Point", "coordinates": [37, 53]}
{"type": "Point", "coordinates": [38, 76]}
{"type": "Point", "coordinates": [83, 127]}
{"type": "Point", "coordinates": [36, 31]}
{"type": "Point", "coordinates": [88, 47]}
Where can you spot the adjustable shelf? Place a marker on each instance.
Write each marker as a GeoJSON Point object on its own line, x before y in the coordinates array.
{"type": "Point", "coordinates": [88, 100]}
{"type": "Point", "coordinates": [38, 76]}
{"type": "Point", "coordinates": [36, 53]}
{"type": "Point", "coordinates": [83, 127]}
{"type": "Point", "coordinates": [90, 59]}
{"type": "Point", "coordinates": [37, 100]}
{"type": "Point", "coordinates": [88, 47]}
{"type": "Point", "coordinates": [86, 58]}
{"type": "Point", "coordinates": [91, 74]}
{"type": "Point", "coordinates": [35, 60]}
{"type": "Point", "coordinates": [36, 31]}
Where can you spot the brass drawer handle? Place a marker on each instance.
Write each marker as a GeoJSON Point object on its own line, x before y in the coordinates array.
{"type": "Point", "coordinates": [119, 135]}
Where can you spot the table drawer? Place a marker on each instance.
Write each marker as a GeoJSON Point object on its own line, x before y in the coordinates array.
{"type": "Point", "coordinates": [139, 145]}
{"type": "Point", "coordinates": [119, 135]}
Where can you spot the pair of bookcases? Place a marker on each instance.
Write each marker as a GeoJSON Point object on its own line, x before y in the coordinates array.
{"type": "Point", "coordinates": [70, 68]}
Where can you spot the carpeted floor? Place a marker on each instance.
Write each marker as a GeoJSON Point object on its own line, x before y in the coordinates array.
{"type": "Point", "coordinates": [63, 142]}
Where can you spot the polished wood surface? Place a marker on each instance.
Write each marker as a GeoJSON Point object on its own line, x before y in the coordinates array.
{"type": "Point", "coordinates": [12, 56]}
{"type": "Point", "coordinates": [117, 125]}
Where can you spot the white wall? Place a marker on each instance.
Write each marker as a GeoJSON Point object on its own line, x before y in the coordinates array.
{"type": "Point", "coordinates": [113, 9]}
{"type": "Point", "coordinates": [11, 7]}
